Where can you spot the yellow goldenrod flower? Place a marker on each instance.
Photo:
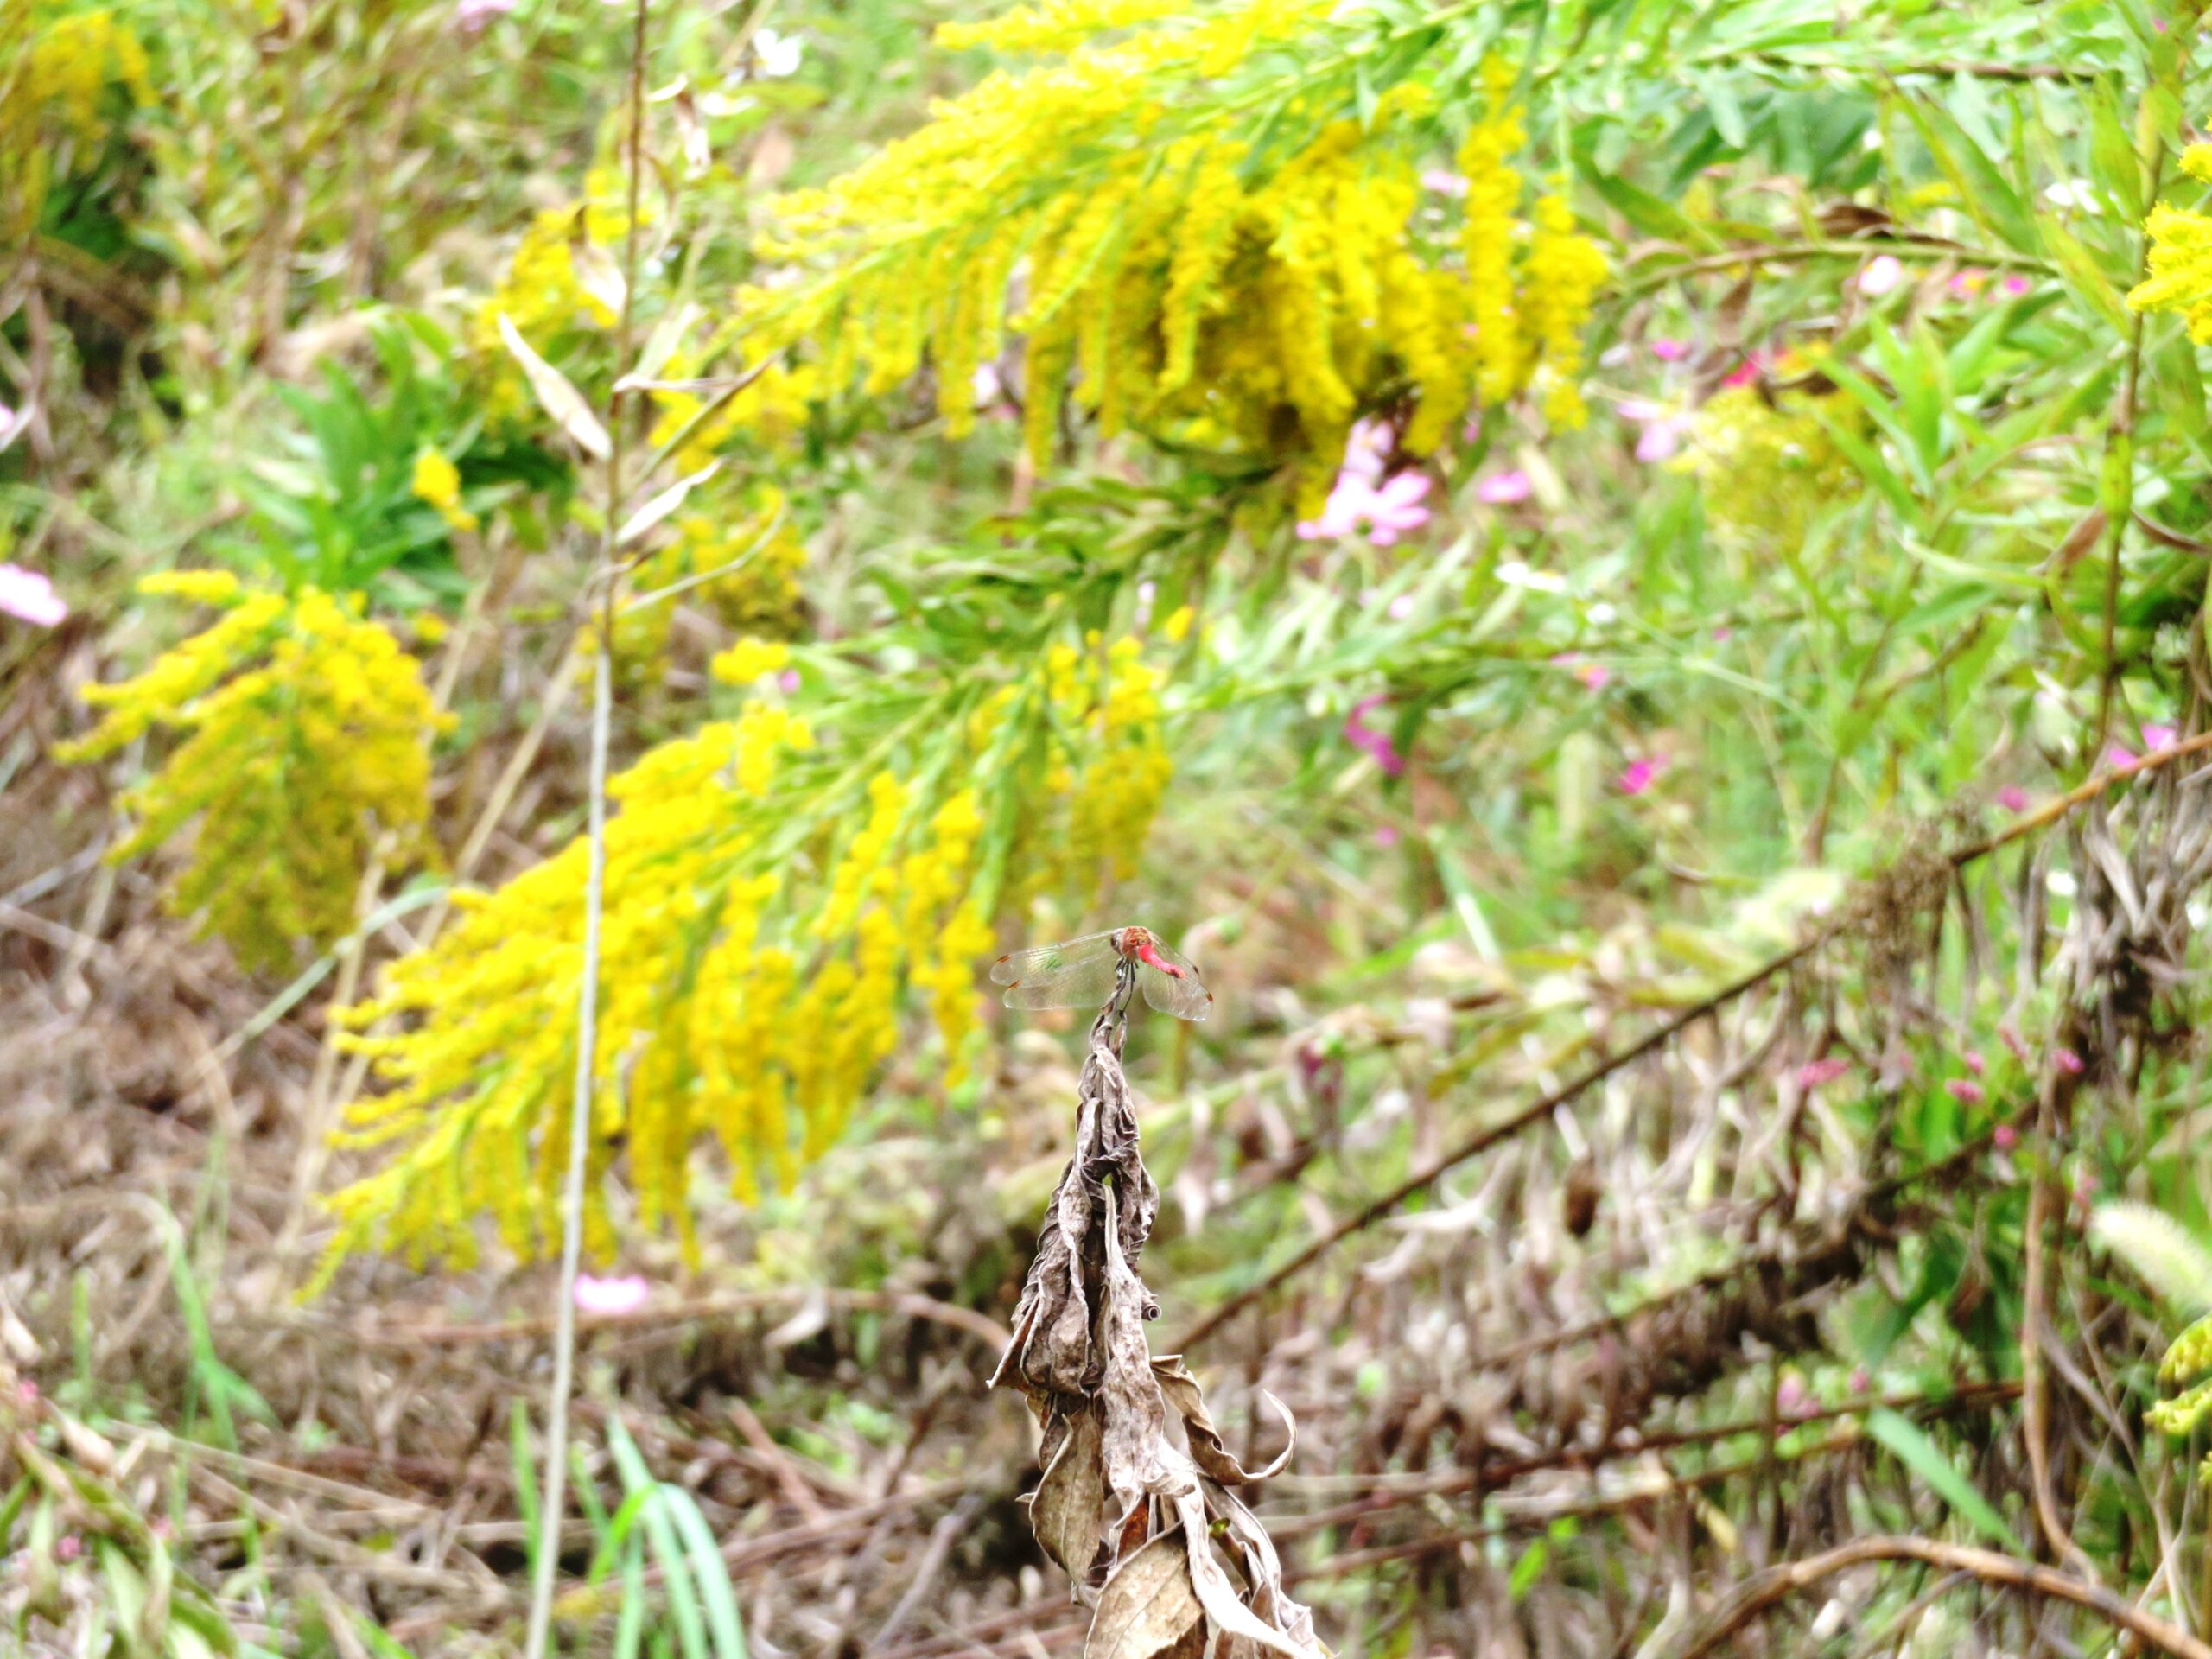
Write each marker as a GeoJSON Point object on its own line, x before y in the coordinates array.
{"type": "Point", "coordinates": [2180, 278]}
{"type": "Point", "coordinates": [1768, 471]}
{"type": "Point", "coordinates": [751, 995]}
{"type": "Point", "coordinates": [1164, 281]}
{"type": "Point", "coordinates": [749, 659]}
{"type": "Point", "coordinates": [437, 481]}
{"type": "Point", "coordinates": [308, 744]}
{"type": "Point", "coordinates": [1564, 271]}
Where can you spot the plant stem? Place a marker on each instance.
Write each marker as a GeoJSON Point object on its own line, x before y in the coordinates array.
{"type": "Point", "coordinates": [546, 1567]}
{"type": "Point", "coordinates": [572, 1196]}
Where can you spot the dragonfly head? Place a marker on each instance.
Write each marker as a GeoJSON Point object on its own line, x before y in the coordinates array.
{"type": "Point", "coordinates": [1131, 941]}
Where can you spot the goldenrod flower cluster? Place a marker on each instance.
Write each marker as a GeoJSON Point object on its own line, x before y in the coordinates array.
{"type": "Point", "coordinates": [309, 745]}
{"type": "Point", "coordinates": [2180, 278]}
{"type": "Point", "coordinates": [741, 999]}
{"type": "Point", "coordinates": [1105, 766]}
{"type": "Point", "coordinates": [437, 481]}
{"type": "Point", "coordinates": [749, 659]}
{"type": "Point", "coordinates": [1118, 793]}
{"type": "Point", "coordinates": [768, 909]}
{"type": "Point", "coordinates": [1768, 469]}
{"type": "Point", "coordinates": [1162, 269]}
{"type": "Point", "coordinates": [52, 86]}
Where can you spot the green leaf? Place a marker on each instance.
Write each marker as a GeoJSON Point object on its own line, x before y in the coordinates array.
{"type": "Point", "coordinates": [1528, 1569]}
{"type": "Point", "coordinates": [662, 1535]}
{"type": "Point", "coordinates": [2085, 279]}
{"type": "Point", "coordinates": [711, 1573]}
{"type": "Point", "coordinates": [1920, 1455]}
{"type": "Point", "coordinates": [2112, 161]}
{"type": "Point", "coordinates": [1984, 192]}
{"type": "Point", "coordinates": [1646, 213]}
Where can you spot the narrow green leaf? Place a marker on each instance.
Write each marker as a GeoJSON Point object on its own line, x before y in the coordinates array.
{"type": "Point", "coordinates": [1984, 192]}
{"type": "Point", "coordinates": [1921, 1455]}
{"type": "Point", "coordinates": [718, 1599]}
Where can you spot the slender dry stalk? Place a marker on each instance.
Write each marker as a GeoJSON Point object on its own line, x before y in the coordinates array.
{"type": "Point", "coordinates": [546, 1568]}
{"type": "Point", "coordinates": [1765, 1590]}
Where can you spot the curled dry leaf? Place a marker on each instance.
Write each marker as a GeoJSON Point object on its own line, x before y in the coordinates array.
{"type": "Point", "coordinates": [1206, 1448]}
{"type": "Point", "coordinates": [556, 395]}
{"type": "Point", "coordinates": [1119, 1497]}
{"type": "Point", "coordinates": [1148, 1608]}
{"type": "Point", "coordinates": [663, 503]}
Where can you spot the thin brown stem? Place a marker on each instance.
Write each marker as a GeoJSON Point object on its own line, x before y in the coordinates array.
{"type": "Point", "coordinates": [1764, 1591]}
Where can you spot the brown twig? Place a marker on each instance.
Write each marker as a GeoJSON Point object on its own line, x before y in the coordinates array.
{"type": "Point", "coordinates": [1765, 1590]}
{"type": "Point", "coordinates": [903, 1304]}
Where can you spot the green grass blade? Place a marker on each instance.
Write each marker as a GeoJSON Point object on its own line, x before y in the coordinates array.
{"type": "Point", "coordinates": [1921, 1455]}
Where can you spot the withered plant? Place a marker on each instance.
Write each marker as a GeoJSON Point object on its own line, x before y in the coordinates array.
{"type": "Point", "coordinates": [1142, 1525]}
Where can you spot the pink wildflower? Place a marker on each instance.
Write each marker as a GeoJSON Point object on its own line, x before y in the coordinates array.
{"type": "Point", "coordinates": [1593, 675]}
{"type": "Point", "coordinates": [1968, 284]}
{"type": "Point", "coordinates": [1444, 182]}
{"type": "Point", "coordinates": [473, 14]}
{"type": "Point", "coordinates": [1964, 1089]}
{"type": "Point", "coordinates": [1814, 1073]}
{"type": "Point", "coordinates": [1750, 368]}
{"type": "Point", "coordinates": [2005, 1137]}
{"type": "Point", "coordinates": [1384, 513]}
{"type": "Point", "coordinates": [68, 1547]}
{"type": "Point", "coordinates": [2012, 798]}
{"type": "Point", "coordinates": [2157, 737]}
{"type": "Point", "coordinates": [1503, 489]}
{"type": "Point", "coordinates": [787, 682]}
{"type": "Point", "coordinates": [1367, 450]}
{"type": "Point", "coordinates": [1975, 1063]}
{"type": "Point", "coordinates": [1400, 607]}
{"type": "Point", "coordinates": [1882, 274]}
{"type": "Point", "coordinates": [1669, 351]}
{"type": "Point", "coordinates": [1723, 633]}
{"type": "Point", "coordinates": [1794, 1399]}
{"type": "Point", "coordinates": [1639, 775]}
{"type": "Point", "coordinates": [29, 597]}
{"type": "Point", "coordinates": [1386, 836]}
{"type": "Point", "coordinates": [2015, 286]}
{"type": "Point", "coordinates": [1860, 1381]}
{"type": "Point", "coordinates": [1661, 428]}
{"type": "Point", "coordinates": [1362, 736]}
{"type": "Point", "coordinates": [2067, 1061]}
{"type": "Point", "coordinates": [2119, 756]}
{"type": "Point", "coordinates": [611, 1296]}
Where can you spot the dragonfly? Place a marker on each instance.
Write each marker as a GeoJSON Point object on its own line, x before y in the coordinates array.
{"type": "Point", "coordinates": [1082, 973]}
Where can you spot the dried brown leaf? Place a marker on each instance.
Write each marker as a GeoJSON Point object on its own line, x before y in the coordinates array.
{"type": "Point", "coordinates": [1225, 1608]}
{"type": "Point", "coordinates": [1207, 1449]}
{"type": "Point", "coordinates": [1140, 1460]}
{"type": "Point", "coordinates": [556, 396]}
{"type": "Point", "coordinates": [1068, 1510]}
{"type": "Point", "coordinates": [1148, 1608]}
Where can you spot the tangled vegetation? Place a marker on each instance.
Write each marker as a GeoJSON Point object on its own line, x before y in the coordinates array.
{"type": "Point", "coordinates": [1627, 579]}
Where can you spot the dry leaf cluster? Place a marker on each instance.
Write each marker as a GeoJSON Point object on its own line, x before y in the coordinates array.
{"type": "Point", "coordinates": [1156, 1541]}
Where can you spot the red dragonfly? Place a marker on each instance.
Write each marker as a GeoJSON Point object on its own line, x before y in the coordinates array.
{"type": "Point", "coordinates": [1081, 974]}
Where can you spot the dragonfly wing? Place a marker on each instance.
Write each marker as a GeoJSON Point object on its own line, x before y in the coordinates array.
{"type": "Point", "coordinates": [1185, 998]}
{"type": "Point", "coordinates": [1045, 961]}
{"type": "Point", "coordinates": [1078, 984]}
